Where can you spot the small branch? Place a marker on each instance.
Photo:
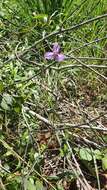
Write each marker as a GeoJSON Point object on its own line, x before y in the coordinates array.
{"type": "Point", "coordinates": [2, 187]}
{"type": "Point", "coordinates": [38, 72]}
{"type": "Point", "coordinates": [7, 146]}
{"type": "Point", "coordinates": [29, 62]}
{"type": "Point", "coordinates": [63, 31]}
{"type": "Point", "coordinates": [46, 121]}
{"type": "Point", "coordinates": [23, 59]}
{"type": "Point", "coordinates": [87, 66]}
{"type": "Point", "coordinates": [3, 168]}
{"type": "Point", "coordinates": [87, 141]}
{"type": "Point", "coordinates": [73, 66]}
{"type": "Point", "coordinates": [97, 172]}
{"type": "Point", "coordinates": [45, 87]}
{"type": "Point", "coordinates": [59, 32]}
{"type": "Point", "coordinates": [88, 58]}
{"type": "Point", "coordinates": [87, 44]}
{"type": "Point", "coordinates": [63, 126]}
{"type": "Point", "coordinates": [77, 175]}
{"type": "Point", "coordinates": [77, 165]}
{"type": "Point", "coordinates": [83, 23]}
{"type": "Point", "coordinates": [29, 129]}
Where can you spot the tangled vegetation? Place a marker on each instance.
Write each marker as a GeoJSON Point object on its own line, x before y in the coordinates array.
{"type": "Point", "coordinates": [53, 112]}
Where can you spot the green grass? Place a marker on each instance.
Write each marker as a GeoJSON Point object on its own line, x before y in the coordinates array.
{"type": "Point", "coordinates": [39, 98]}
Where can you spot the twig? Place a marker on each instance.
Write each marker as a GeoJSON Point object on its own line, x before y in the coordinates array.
{"type": "Point", "coordinates": [8, 20]}
{"type": "Point", "coordinates": [77, 165]}
{"type": "Point", "coordinates": [24, 157]}
{"type": "Point", "coordinates": [76, 173]}
{"type": "Point", "coordinates": [31, 62]}
{"type": "Point", "coordinates": [5, 169]}
{"type": "Point", "coordinates": [87, 141]}
{"type": "Point", "coordinates": [89, 58]}
{"type": "Point", "coordinates": [79, 126]}
{"type": "Point", "coordinates": [105, 78]}
{"type": "Point", "coordinates": [39, 71]}
{"type": "Point", "coordinates": [45, 87]}
{"type": "Point", "coordinates": [63, 126]}
{"type": "Point", "coordinates": [28, 165]}
{"type": "Point", "coordinates": [87, 44]}
{"type": "Point", "coordinates": [75, 65]}
{"type": "Point", "coordinates": [63, 31]}
{"type": "Point", "coordinates": [23, 59]}
{"type": "Point", "coordinates": [29, 129]}
{"type": "Point", "coordinates": [20, 54]}
{"type": "Point", "coordinates": [72, 13]}
{"type": "Point", "coordinates": [85, 125]}
{"type": "Point", "coordinates": [46, 121]}
{"type": "Point", "coordinates": [97, 173]}
{"type": "Point", "coordinates": [2, 187]}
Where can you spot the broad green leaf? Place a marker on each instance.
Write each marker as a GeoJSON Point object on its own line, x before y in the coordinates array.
{"type": "Point", "coordinates": [104, 162]}
{"type": "Point", "coordinates": [6, 101]}
{"type": "Point", "coordinates": [85, 154]}
{"type": "Point", "coordinates": [4, 105]}
{"type": "Point", "coordinates": [53, 177]}
{"type": "Point", "coordinates": [59, 187]}
{"type": "Point", "coordinates": [98, 154]}
{"type": "Point", "coordinates": [7, 98]}
{"type": "Point", "coordinates": [8, 153]}
{"type": "Point", "coordinates": [17, 109]}
{"type": "Point", "coordinates": [31, 186]}
{"type": "Point", "coordinates": [39, 185]}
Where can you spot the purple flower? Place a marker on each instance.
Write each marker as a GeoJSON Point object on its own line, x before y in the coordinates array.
{"type": "Point", "coordinates": [55, 54]}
